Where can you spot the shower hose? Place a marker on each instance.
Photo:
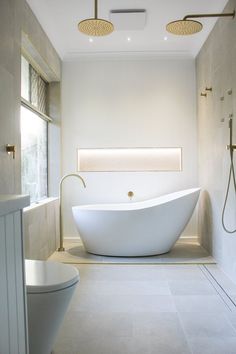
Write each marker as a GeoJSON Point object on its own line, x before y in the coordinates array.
{"type": "Point", "coordinates": [231, 175]}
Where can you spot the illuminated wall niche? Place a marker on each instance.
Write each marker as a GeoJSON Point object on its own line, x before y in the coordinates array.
{"type": "Point", "coordinates": [129, 159]}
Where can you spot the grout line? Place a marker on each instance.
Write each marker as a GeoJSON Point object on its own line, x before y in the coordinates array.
{"type": "Point", "coordinates": [219, 289]}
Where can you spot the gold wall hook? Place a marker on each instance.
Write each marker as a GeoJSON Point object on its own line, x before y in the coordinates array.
{"type": "Point", "coordinates": [11, 149]}
{"type": "Point", "coordinates": [204, 94]}
{"type": "Point", "coordinates": [208, 89]}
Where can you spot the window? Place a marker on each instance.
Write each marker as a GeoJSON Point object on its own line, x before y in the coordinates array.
{"type": "Point", "coordinates": [34, 126]}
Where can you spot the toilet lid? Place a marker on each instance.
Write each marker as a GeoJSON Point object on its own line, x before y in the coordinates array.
{"type": "Point", "coordinates": [47, 276]}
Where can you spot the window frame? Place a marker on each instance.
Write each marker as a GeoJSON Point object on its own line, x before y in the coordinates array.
{"type": "Point", "coordinates": [42, 115]}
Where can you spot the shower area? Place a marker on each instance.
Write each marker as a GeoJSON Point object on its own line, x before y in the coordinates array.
{"type": "Point", "coordinates": [215, 69]}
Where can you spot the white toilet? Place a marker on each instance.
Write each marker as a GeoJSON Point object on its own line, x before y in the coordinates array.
{"type": "Point", "coordinates": [50, 286]}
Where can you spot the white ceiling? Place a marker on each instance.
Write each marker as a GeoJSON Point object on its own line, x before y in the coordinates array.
{"type": "Point", "coordinates": [59, 19]}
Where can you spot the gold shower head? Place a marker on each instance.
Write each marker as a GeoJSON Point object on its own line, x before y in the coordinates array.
{"type": "Point", "coordinates": [95, 26]}
{"type": "Point", "coordinates": [186, 27]}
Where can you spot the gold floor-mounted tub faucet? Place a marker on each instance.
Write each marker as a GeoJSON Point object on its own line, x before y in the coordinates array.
{"type": "Point", "coordinates": [61, 248]}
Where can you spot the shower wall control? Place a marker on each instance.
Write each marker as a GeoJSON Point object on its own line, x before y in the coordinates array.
{"type": "Point", "coordinates": [231, 146]}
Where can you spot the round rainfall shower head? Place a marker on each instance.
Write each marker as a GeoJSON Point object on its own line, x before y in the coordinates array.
{"type": "Point", "coordinates": [184, 27]}
{"type": "Point", "coordinates": [95, 27]}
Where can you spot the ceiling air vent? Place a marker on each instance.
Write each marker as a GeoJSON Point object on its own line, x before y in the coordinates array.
{"type": "Point", "coordinates": [128, 20]}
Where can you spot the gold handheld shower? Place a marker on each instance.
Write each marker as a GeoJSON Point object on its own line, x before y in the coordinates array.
{"type": "Point", "coordinates": [95, 26]}
{"type": "Point", "coordinates": [186, 27]}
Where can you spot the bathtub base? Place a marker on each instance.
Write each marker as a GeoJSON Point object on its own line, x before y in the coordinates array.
{"type": "Point", "coordinates": [125, 256]}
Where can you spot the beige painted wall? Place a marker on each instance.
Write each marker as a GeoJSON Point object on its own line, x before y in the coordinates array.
{"type": "Point", "coordinates": [216, 68]}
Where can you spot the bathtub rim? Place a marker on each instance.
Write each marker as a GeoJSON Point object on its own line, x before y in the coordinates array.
{"type": "Point", "coordinates": [138, 205]}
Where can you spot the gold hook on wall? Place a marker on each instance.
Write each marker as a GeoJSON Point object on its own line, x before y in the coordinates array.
{"type": "Point", "coordinates": [208, 89]}
{"type": "Point", "coordinates": [11, 149]}
{"type": "Point", "coordinates": [203, 94]}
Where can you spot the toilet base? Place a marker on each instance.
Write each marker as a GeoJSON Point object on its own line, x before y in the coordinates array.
{"type": "Point", "coordinates": [45, 315]}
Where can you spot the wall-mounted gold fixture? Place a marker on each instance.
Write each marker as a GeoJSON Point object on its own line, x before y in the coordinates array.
{"type": "Point", "coordinates": [130, 194]}
{"type": "Point", "coordinates": [61, 247]}
{"type": "Point", "coordinates": [11, 149]}
{"type": "Point", "coordinates": [208, 89]}
{"type": "Point", "coordinates": [204, 94]}
{"type": "Point", "coordinates": [185, 26]}
{"type": "Point", "coordinates": [229, 92]}
{"type": "Point", "coordinates": [95, 26]}
{"type": "Point", "coordinates": [231, 146]}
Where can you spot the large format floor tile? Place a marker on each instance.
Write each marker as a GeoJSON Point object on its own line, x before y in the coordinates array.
{"type": "Point", "coordinates": [207, 325]}
{"type": "Point", "coordinates": [200, 303]}
{"type": "Point", "coordinates": [213, 345]}
{"type": "Point", "coordinates": [137, 309]}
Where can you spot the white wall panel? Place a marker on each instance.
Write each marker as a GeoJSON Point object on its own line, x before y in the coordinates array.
{"type": "Point", "coordinates": [13, 324]}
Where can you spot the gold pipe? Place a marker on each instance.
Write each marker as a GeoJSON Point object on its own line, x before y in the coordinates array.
{"type": "Point", "coordinates": [231, 14]}
{"type": "Point", "coordinates": [61, 248]}
{"type": "Point", "coordinates": [95, 9]}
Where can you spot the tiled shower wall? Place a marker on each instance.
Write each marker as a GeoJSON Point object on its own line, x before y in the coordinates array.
{"type": "Point", "coordinates": [216, 68]}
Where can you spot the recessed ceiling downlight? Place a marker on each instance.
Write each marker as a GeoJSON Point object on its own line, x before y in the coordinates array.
{"type": "Point", "coordinates": [95, 26]}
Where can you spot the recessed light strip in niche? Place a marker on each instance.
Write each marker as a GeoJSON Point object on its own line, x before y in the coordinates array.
{"type": "Point", "coordinates": [130, 159]}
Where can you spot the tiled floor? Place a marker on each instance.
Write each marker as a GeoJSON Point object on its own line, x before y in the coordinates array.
{"type": "Point", "coordinates": [147, 309]}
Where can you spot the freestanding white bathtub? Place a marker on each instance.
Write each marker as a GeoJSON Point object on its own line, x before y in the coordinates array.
{"type": "Point", "coordinates": [143, 228]}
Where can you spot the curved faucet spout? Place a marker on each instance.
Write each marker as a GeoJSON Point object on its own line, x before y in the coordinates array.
{"type": "Point", "coordinates": [61, 248]}
{"type": "Point", "coordinates": [72, 175]}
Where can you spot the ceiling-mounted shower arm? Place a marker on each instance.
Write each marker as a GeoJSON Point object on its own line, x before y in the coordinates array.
{"type": "Point", "coordinates": [188, 25]}
{"type": "Point", "coordinates": [231, 14]}
{"type": "Point", "coordinates": [95, 9]}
